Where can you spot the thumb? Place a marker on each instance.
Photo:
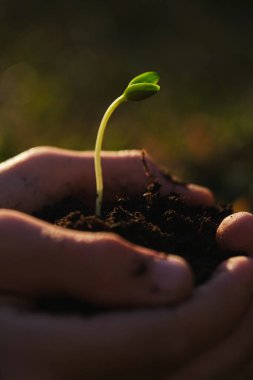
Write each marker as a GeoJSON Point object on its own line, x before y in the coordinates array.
{"type": "Point", "coordinates": [131, 275]}
{"type": "Point", "coordinates": [99, 268]}
{"type": "Point", "coordinates": [235, 233]}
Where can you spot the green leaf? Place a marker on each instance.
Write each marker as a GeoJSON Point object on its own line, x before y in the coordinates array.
{"type": "Point", "coordinates": [148, 77]}
{"type": "Point", "coordinates": [140, 91]}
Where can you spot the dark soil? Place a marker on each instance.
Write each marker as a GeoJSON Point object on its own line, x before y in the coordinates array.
{"type": "Point", "coordinates": [166, 224]}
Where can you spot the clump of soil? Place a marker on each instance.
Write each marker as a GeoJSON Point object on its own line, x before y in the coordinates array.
{"type": "Point", "coordinates": [166, 224]}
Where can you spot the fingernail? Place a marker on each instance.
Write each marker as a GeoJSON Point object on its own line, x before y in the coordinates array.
{"type": "Point", "coordinates": [172, 275]}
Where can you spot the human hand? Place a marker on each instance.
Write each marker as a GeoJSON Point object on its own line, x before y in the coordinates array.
{"type": "Point", "coordinates": [232, 357]}
{"type": "Point", "coordinates": [43, 175]}
{"type": "Point", "coordinates": [236, 233]}
{"type": "Point", "coordinates": [44, 258]}
{"type": "Point", "coordinates": [64, 165]}
{"type": "Point", "coordinates": [138, 344]}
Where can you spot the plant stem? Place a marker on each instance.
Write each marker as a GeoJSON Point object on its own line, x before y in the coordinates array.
{"type": "Point", "coordinates": [98, 147]}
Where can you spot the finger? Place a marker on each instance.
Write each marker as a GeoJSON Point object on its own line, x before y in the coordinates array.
{"type": "Point", "coordinates": [215, 309]}
{"type": "Point", "coordinates": [236, 233]}
{"type": "Point", "coordinates": [43, 175]}
{"type": "Point", "coordinates": [37, 258]}
{"type": "Point", "coordinates": [226, 358]}
{"type": "Point", "coordinates": [192, 193]}
{"type": "Point", "coordinates": [136, 343]}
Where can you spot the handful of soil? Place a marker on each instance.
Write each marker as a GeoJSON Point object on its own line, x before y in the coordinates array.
{"type": "Point", "coordinates": [165, 224]}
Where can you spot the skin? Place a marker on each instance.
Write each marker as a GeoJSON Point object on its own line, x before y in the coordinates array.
{"type": "Point", "coordinates": [233, 356]}
{"type": "Point", "coordinates": [148, 341]}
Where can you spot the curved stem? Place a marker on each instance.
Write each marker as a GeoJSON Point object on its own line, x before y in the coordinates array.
{"type": "Point", "coordinates": [98, 147]}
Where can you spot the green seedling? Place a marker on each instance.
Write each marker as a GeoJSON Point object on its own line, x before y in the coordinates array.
{"type": "Point", "coordinates": [141, 87]}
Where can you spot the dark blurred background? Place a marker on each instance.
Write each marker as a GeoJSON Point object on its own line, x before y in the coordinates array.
{"type": "Point", "coordinates": [63, 62]}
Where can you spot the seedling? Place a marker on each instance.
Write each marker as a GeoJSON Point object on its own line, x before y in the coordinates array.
{"type": "Point", "coordinates": [141, 87]}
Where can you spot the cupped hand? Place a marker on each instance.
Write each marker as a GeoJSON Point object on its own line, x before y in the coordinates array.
{"type": "Point", "coordinates": [137, 344]}
{"type": "Point", "coordinates": [232, 357]}
{"type": "Point", "coordinates": [236, 233]}
{"type": "Point", "coordinates": [103, 269]}
{"type": "Point", "coordinates": [43, 175]}
{"type": "Point", "coordinates": [37, 258]}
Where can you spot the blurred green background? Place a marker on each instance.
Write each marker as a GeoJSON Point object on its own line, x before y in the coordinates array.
{"type": "Point", "coordinates": [63, 62]}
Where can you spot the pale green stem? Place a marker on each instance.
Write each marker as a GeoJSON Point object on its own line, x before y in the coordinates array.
{"type": "Point", "coordinates": [98, 147]}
